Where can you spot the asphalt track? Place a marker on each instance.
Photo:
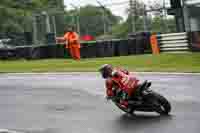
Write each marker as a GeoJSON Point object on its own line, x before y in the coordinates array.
{"type": "Point", "coordinates": [74, 103]}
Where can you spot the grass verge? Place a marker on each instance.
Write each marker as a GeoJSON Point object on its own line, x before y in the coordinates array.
{"type": "Point", "coordinates": [186, 62]}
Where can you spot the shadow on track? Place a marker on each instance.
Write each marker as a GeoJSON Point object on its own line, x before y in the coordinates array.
{"type": "Point", "coordinates": [141, 121]}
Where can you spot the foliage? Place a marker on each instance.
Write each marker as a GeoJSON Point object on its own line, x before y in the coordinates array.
{"type": "Point", "coordinates": [91, 19]}
{"type": "Point", "coordinates": [16, 15]}
{"type": "Point", "coordinates": [154, 22]}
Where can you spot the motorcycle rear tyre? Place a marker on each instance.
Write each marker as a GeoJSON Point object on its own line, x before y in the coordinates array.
{"type": "Point", "coordinates": [128, 110]}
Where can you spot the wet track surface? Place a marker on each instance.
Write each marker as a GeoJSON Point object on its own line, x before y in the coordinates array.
{"type": "Point", "coordinates": [74, 103]}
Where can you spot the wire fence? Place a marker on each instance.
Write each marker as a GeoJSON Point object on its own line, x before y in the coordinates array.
{"type": "Point", "coordinates": [148, 17]}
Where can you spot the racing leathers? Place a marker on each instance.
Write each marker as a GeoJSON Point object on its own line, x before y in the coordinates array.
{"type": "Point", "coordinates": [121, 81]}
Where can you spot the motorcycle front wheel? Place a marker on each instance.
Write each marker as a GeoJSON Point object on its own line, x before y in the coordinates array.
{"type": "Point", "coordinates": [163, 105]}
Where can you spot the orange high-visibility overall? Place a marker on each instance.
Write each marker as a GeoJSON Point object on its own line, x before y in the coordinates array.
{"type": "Point", "coordinates": [154, 44]}
{"type": "Point", "coordinates": [72, 40]}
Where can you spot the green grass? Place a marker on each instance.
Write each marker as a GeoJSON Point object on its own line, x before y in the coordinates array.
{"type": "Point", "coordinates": [186, 62]}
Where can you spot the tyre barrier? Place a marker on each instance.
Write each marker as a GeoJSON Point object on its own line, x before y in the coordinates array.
{"type": "Point", "coordinates": [108, 49]}
{"type": "Point", "coordinates": [194, 41]}
{"type": "Point", "coordinates": [41, 52]}
{"type": "Point", "coordinates": [132, 46]}
{"type": "Point", "coordinates": [143, 42]}
{"type": "Point", "coordinates": [139, 45]}
{"type": "Point", "coordinates": [91, 49]}
{"type": "Point", "coordinates": [51, 51]}
{"type": "Point", "coordinates": [22, 52]}
{"type": "Point", "coordinates": [146, 43]}
{"type": "Point", "coordinates": [6, 54]}
{"type": "Point", "coordinates": [61, 51]}
{"type": "Point", "coordinates": [121, 47]}
{"type": "Point", "coordinates": [100, 49]}
{"type": "Point", "coordinates": [88, 50]}
{"type": "Point", "coordinates": [37, 52]}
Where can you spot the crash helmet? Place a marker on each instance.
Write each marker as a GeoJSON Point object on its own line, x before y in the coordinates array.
{"type": "Point", "coordinates": [106, 70]}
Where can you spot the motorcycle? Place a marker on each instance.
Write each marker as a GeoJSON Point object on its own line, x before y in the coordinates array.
{"type": "Point", "coordinates": [145, 100]}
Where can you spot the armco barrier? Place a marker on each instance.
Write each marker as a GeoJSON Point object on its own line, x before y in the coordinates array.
{"type": "Point", "coordinates": [173, 42]}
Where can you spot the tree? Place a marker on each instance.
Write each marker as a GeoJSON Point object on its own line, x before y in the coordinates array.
{"type": "Point", "coordinates": [10, 18]}
{"type": "Point", "coordinates": [18, 12]}
{"type": "Point", "coordinates": [91, 19]}
{"type": "Point", "coordinates": [14, 14]}
{"type": "Point", "coordinates": [155, 21]}
{"type": "Point", "coordinates": [123, 29]}
{"type": "Point", "coordinates": [120, 30]}
{"type": "Point", "coordinates": [157, 25]}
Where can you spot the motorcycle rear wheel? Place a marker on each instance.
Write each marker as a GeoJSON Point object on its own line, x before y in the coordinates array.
{"type": "Point", "coordinates": [128, 110]}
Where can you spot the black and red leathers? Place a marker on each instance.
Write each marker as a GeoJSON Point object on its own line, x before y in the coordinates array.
{"type": "Point", "coordinates": [124, 81]}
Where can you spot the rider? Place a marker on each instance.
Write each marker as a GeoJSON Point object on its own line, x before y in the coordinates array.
{"type": "Point", "coordinates": [120, 80]}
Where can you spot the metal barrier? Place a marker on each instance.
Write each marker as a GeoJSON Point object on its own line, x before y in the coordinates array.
{"type": "Point", "coordinates": [174, 42]}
